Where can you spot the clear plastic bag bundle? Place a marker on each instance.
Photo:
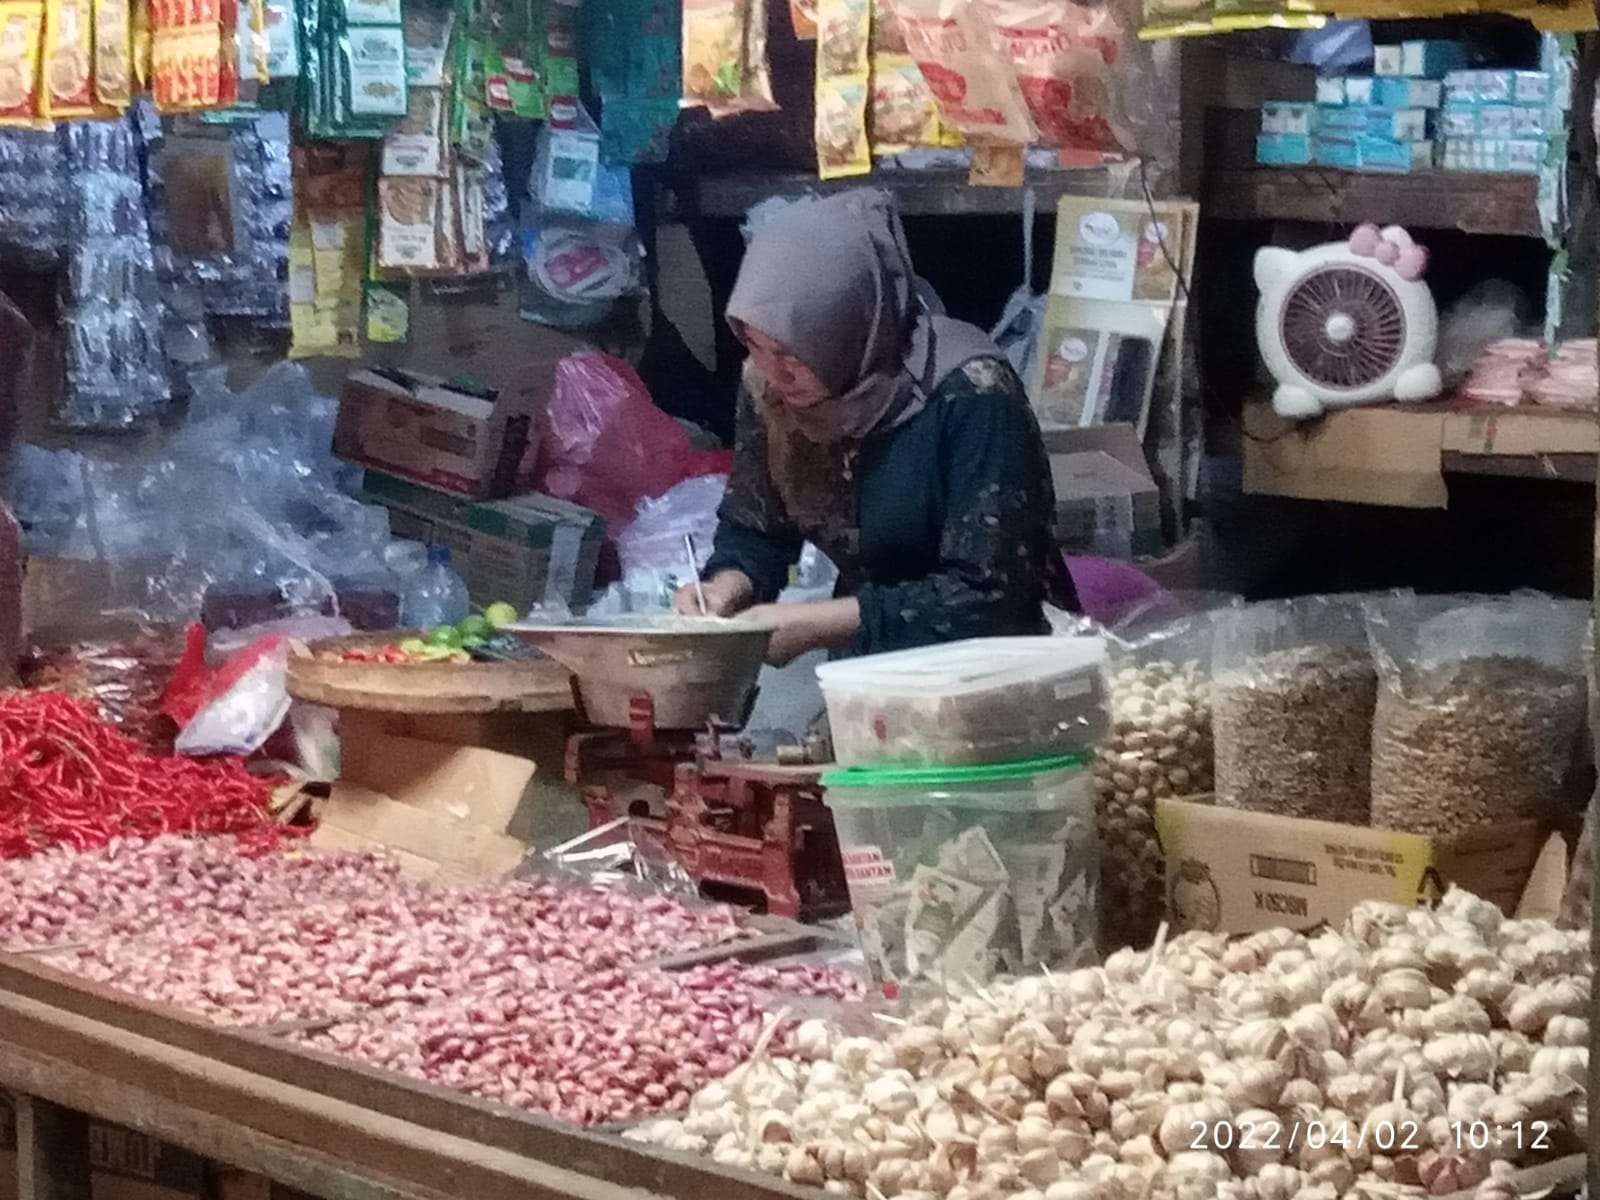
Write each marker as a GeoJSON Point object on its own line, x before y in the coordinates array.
{"type": "Point", "coordinates": [1480, 703]}
{"type": "Point", "coordinates": [1159, 745]}
{"type": "Point", "coordinates": [116, 373]}
{"type": "Point", "coordinates": [1293, 690]}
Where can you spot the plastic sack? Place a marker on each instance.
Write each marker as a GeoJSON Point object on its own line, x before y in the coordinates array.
{"type": "Point", "coordinates": [959, 51]}
{"type": "Point", "coordinates": [1480, 703]}
{"type": "Point", "coordinates": [232, 708]}
{"type": "Point", "coordinates": [1159, 745]}
{"type": "Point", "coordinates": [653, 540]}
{"type": "Point", "coordinates": [1293, 690]}
{"type": "Point", "coordinates": [606, 446]}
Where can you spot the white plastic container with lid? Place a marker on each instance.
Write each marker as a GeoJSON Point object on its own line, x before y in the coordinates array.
{"type": "Point", "coordinates": [967, 872]}
{"type": "Point", "coordinates": [984, 700]}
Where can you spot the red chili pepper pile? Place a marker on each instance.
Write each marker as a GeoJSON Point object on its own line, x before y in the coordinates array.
{"type": "Point", "coordinates": [67, 777]}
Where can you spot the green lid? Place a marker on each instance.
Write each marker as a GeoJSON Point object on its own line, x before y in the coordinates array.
{"type": "Point", "coordinates": [950, 777]}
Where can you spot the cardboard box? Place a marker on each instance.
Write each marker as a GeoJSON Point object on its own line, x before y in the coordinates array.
{"type": "Point", "coordinates": [1393, 455]}
{"type": "Point", "coordinates": [127, 1165]}
{"type": "Point", "coordinates": [468, 784]}
{"type": "Point", "coordinates": [1106, 498]}
{"type": "Point", "coordinates": [425, 844]}
{"type": "Point", "coordinates": [1238, 872]}
{"type": "Point", "coordinates": [419, 427]}
{"type": "Point", "coordinates": [525, 550]}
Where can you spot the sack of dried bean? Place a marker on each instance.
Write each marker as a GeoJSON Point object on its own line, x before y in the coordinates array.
{"type": "Point", "coordinates": [1159, 744]}
{"type": "Point", "coordinates": [1480, 703]}
{"type": "Point", "coordinates": [1293, 689]}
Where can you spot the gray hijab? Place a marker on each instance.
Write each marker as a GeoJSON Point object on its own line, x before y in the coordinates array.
{"type": "Point", "coordinates": [831, 280]}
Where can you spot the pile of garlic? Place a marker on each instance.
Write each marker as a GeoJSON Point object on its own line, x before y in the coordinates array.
{"type": "Point", "coordinates": [1159, 745]}
{"type": "Point", "coordinates": [1101, 1084]}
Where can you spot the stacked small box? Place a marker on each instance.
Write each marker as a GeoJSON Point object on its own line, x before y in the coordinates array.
{"type": "Point", "coordinates": [1503, 120]}
{"type": "Point", "coordinates": [1425, 58]}
{"type": "Point", "coordinates": [1377, 123]}
{"type": "Point", "coordinates": [1287, 127]}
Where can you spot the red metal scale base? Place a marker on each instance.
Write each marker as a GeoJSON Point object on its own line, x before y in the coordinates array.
{"type": "Point", "coordinates": [756, 829]}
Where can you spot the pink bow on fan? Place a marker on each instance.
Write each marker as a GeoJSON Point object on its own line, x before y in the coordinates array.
{"type": "Point", "coordinates": [1393, 247]}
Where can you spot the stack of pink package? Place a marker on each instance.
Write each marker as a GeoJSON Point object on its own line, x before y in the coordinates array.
{"type": "Point", "coordinates": [1501, 372]}
{"type": "Point", "coordinates": [1570, 378]}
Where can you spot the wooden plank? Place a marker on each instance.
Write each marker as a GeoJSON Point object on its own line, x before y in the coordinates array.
{"type": "Point", "coordinates": [52, 1151]}
{"type": "Point", "coordinates": [1469, 201]}
{"type": "Point", "coordinates": [1560, 468]}
{"type": "Point", "coordinates": [372, 1143]}
{"type": "Point", "coordinates": [934, 193]}
{"type": "Point", "coordinates": [379, 1092]}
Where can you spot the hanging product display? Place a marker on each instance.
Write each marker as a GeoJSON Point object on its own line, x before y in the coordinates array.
{"type": "Point", "coordinates": [843, 85]}
{"type": "Point", "coordinates": [956, 45]}
{"type": "Point", "coordinates": [725, 56]}
{"type": "Point", "coordinates": [633, 49]}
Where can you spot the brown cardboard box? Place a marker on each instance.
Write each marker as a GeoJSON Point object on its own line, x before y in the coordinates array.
{"type": "Point", "coordinates": [415, 425]}
{"type": "Point", "coordinates": [1399, 455]}
{"type": "Point", "coordinates": [1104, 489]}
{"type": "Point", "coordinates": [459, 783]}
{"type": "Point", "coordinates": [427, 845]}
{"type": "Point", "coordinates": [8, 1148]}
{"type": "Point", "coordinates": [1240, 871]}
{"type": "Point", "coordinates": [127, 1165]}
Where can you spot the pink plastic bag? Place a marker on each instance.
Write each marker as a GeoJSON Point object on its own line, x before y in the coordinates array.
{"type": "Point", "coordinates": [605, 444]}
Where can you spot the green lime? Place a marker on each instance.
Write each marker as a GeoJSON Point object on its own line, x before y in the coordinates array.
{"type": "Point", "coordinates": [413, 645]}
{"type": "Point", "coordinates": [500, 615]}
{"type": "Point", "coordinates": [473, 642]}
{"type": "Point", "coordinates": [475, 627]}
{"type": "Point", "coordinates": [444, 635]}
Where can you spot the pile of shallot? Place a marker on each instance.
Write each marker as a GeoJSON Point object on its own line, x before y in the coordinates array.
{"type": "Point", "coordinates": [530, 993]}
{"type": "Point", "coordinates": [1412, 1053]}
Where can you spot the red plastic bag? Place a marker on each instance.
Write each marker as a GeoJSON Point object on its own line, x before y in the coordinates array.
{"type": "Point", "coordinates": [606, 446]}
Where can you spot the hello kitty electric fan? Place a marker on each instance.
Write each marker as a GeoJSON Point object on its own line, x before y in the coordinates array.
{"type": "Point", "coordinates": [1347, 323]}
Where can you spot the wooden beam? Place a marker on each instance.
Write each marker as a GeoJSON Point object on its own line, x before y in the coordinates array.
{"type": "Point", "coordinates": [469, 1121]}
{"type": "Point", "coordinates": [1464, 200]}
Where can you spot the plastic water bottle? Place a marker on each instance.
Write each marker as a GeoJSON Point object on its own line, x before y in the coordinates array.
{"type": "Point", "coordinates": [435, 595]}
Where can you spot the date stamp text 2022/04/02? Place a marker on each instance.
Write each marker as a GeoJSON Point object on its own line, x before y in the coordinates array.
{"type": "Point", "coordinates": [1381, 1137]}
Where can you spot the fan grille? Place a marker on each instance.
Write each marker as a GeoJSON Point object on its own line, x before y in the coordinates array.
{"type": "Point", "coordinates": [1342, 327]}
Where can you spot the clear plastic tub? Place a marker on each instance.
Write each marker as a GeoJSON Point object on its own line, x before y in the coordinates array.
{"type": "Point", "coordinates": [969, 872]}
{"type": "Point", "coordinates": [985, 700]}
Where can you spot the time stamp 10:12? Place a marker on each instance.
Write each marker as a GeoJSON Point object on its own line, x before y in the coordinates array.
{"type": "Point", "coordinates": [1381, 1137]}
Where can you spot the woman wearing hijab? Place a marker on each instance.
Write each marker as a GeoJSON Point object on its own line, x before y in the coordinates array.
{"type": "Point", "coordinates": [899, 442]}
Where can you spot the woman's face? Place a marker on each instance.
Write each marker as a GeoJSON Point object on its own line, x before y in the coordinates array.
{"type": "Point", "coordinates": [791, 381]}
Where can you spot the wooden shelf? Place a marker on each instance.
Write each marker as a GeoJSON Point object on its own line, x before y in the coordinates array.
{"type": "Point", "coordinates": [933, 193]}
{"type": "Point", "coordinates": [1433, 199]}
{"type": "Point", "coordinates": [1399, 455]}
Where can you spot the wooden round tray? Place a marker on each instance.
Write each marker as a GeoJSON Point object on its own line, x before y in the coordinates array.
{"type": "Point", "coordinates": [540, 686]}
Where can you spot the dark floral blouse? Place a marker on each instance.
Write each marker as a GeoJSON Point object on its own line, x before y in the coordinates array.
{"type": "Point", "coordinates": [942, 527]}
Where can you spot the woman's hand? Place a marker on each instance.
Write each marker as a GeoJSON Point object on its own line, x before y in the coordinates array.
{"type": "Point", "coordinates": [727, 594]}
{"type": "Point", "coordinates": [799, 628]}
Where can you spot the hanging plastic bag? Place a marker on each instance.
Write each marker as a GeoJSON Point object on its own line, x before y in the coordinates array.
{"type": "Point", "coordinates": [242, 703]}
{"type": "Point", "coordinates": [606, 446]}
{"type": "Point", "coordinates": [961, 56]}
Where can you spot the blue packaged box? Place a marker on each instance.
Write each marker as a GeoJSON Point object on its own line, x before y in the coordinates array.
{"type": "Point", "coordinates": [1288, 116]}
{"type": "Point", "coordinates": [1330, 90]}
{"type": "Point", "coordinates": [1283, 149]}
{"type": "Point", "coordinates": [1533, 120]}
{"type": "Point", "coordinates": [1386, 154]}
{"type": "Point", "coordinates": [1337, 152]}
{"type": "Point", "coordinates": [1488, 87]}
{"type": "Point", "coordinates": [1423, 58]}
{"type": "Point", "coordinates": [1458, 120]}
{"type": "Point", "coordinates": [1517, 156]}
{"type": "Point", "coordinates": [1392, 91]}
{"type": "Point", "coordinates": [1401, 124]}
